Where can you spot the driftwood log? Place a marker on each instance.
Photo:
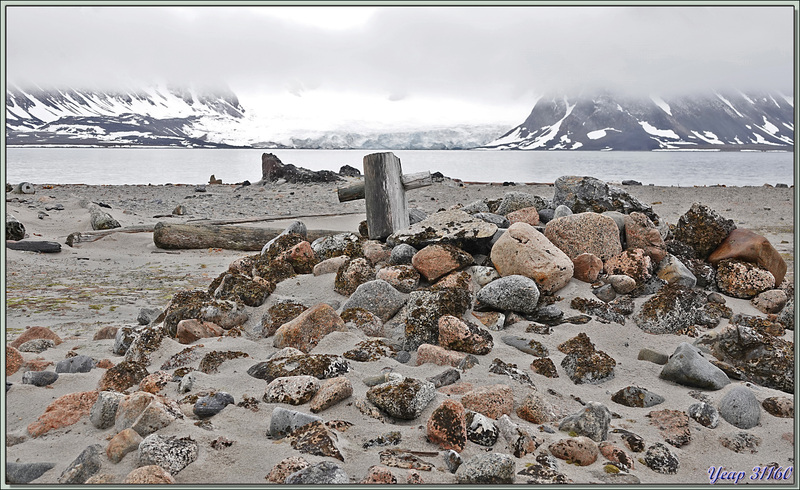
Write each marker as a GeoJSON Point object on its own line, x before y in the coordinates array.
{"type": "Point", "coordinates": [355, 190]}
{"type": "Point", "coordinates": [34, 246]}
{"type": "Point", "coordinates": [24, 188]}
{"type": "Point", "coordinates": [191, 236]}
{"type": "Point", "coordinates": [90, 236]}
{"type": "Point", "coordinates": [14, 229]}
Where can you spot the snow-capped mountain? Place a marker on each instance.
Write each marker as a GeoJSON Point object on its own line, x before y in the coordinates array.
{"type": "Point", "coordinates": [604, 121]}
{"type": "Point", "coordinates": [156, 116]}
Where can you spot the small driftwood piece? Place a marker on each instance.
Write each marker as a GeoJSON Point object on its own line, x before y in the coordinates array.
{"type": "Point", "coordinates": [193, 236]}
{"type": "Point", "coordinates": [14, 229]}
{"type": "Point", "coordinates": [34, 246]}
{"type": "Point", "coordinates": [100, 219]}
{"type": "Point", "coordinates": [90, 236]}
{"type": "Point", "coordinates": [24, 188]}
{"type": "Point", "coordinates": [355, 190]}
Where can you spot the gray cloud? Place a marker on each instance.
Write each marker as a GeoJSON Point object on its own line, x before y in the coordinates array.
{"type": "Point", "coordinates": [492, 54]}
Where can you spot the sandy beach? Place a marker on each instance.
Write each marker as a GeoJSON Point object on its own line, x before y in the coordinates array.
{"type": "Point", "coordinates": [107, 282]}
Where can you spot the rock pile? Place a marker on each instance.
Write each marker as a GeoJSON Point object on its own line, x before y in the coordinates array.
{"type": "Point", "coordinates": [433, 293]}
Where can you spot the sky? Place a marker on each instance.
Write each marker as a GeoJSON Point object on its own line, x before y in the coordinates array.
{"type": "Point", "coordinates": [412, 65]}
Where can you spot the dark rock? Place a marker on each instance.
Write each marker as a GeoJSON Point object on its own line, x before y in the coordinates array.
{"type": "Point", "coordinates": [634, 396]}
{"type": "Point", "coordinates": [447, 426]}
{"type": "Point", "coordinates": [403, 357]}
{"type": "Point", "coordinates": [87, 464]}
{"type": "Point", "coordinates": [592, 421]}
{"type": "Point", "coordinates": [122, 376]}
{"type": "Point", "coordinates": [705, 414]}
{"type": "Point", "coordinates": [324, 473]}
{"type": "Point", "coordinates": [661, 460]}
{"type": "Point", "coordinates": [148, 315]}
{"type": "Point", "coordinates": [272, 170]}
{"type": "Point", "coordinates": [211, 362]}
{"type": "Point", "coordinates": [779, 406]}
{"type": "Point", "coordinates": [631, 182]}
{"type": "Point", "coordinates": [688, 367]}
{"type": "Point", "coordinates": [26, 472]}
{"type": "Point", "coordinates": [238, 287]}
{"type": "Point", "coordinates": [546, 215]}
{"type": "Point", "coordinates": [544, 367]}
{"type": "Point", "coordinates": [169, 452]}
{"type": "Point", "coordinates": [209, 405]}
{"type": "Point", "coordinates": [740, 408]}
{"type": "Point", "coordinates": [278, 314]}
{"type": "Point", "coordinates": [481, 429]}
{"type": "Point", "coordinates": [702, 229]}
{"type": "Point", "coordinates": [322, 366]}
{"type": "Point", "coordinates": [445, 378]}
{"type": "Point", "coordinates": [348, 171]}
{"type": "Point", "coordinates": [77, 364]}
{"type": "Point", "coordinates": [39, 378]}
{"type": "Point", "coordinates": [673, 271]}
{"type": "Point", "coordinates": [605, 293]}
{"type": "Point", "coordinates": [404, 399]}
{"type": "Point", "coordinates": [583, 363]}
{"type": "Point", "coordinates": [582, 194]}
{"type": "Point", "coordinates": [608, 312]}
{"type": "Point", "coordinates": [491, 468]}
{"type": "Point", "coordinates": [402, 254]}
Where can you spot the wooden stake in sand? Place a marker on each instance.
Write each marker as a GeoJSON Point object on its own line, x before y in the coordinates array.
{"type": "Point", "coordinates": [384, 189]}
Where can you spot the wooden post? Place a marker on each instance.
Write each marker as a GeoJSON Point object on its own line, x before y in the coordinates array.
{"type": "Point", "coordinates": [387, 207]}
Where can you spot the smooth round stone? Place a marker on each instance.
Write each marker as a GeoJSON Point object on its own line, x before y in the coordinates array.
{"type": "Point", "coordinates": [688, 367]}
{"type": "Point", "coordinates": [561, 211]}
{"type": "Point", "coordinates": [740, 407]}
{"type": "Point", "coordinates": [402, 254]}
{"type": "Point", "coordinates": [39, 378]}
{"type": "Point", "coordinates": [402, 357]}
{"type": "Point", "coordinates": [207, 406]}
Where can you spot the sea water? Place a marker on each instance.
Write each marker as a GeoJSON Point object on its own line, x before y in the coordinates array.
{"type": "Point", "coordinates": [117, 166]}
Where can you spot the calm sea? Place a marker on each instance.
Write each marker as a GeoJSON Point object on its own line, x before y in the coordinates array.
{"type": "Point", "coordinates": [116, 166]}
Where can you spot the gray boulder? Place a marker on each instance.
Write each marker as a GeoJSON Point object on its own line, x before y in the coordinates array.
{"type": "Point", "coordinates": [514, 292]}
{"type": "Point", "coordinates": [590, 194]}
{"type": "Point", "coordinates": [378, 297]}
{"type": "Point", "coordinates": [593, 422]}
{"type": "Point", "coordinates": [740, 408]}
{"type": "Point", "coordinates": [688, 367]}
{"type": "Point", "coordinates": [324, 473]}
{"type": "Point", "coordinates": [491, 468]}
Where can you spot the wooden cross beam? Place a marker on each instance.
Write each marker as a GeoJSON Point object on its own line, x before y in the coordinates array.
{"type": "Point", "coordinates": [384, 189]}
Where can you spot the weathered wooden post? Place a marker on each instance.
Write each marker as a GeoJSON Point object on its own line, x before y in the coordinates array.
{"type": "Point", "coordinates": [384, 189]}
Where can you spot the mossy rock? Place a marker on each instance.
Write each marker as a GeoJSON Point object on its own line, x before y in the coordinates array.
{"type": "Point", "coordinates": [213, 360]}
{"type": "Point", "coordinates": [279, 314]}
{"type": "Point", "coordinates": [322, 366]}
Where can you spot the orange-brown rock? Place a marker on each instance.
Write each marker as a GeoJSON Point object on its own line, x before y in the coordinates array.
{"type": "Point", "coordinates": [745, 245]}
{"type": "Point", "coordinates": [193, 330]}
{"type": "Point", "coordinates": [155, 382]}
{"type": "Point", "coordinates": [640, 232]}
{"type": "Point", "coordinates": [528, 215]}
{"type": "Point", "coordinates": [587, 267]}
{"type": "Point", "coordinates": [150, 474]}
{"type": "Point", "coordinates": [121, 444]}
{"type": "Point", "coordinates": [447, 426]}
{"type": "Point", "coordinates": [492, 400]}
{"type": "Point", "coordinates": [436, 260]}
{"type": "Point", "coordinates": [305, 331]}
{"type": "Point", "coordinates": [105, 333]}
{"type": "Point", "coordinates": [14, 360]}
{"type": "Point", "coordinates": [64, 411]}
{"type": "Point", "coordinates": [428, 353]}
{"type": "Point", "coordinates": [31, 333]}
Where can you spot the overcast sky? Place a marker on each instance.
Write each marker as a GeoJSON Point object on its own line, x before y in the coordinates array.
{"type": "Point", "coordinates": [434, 60]}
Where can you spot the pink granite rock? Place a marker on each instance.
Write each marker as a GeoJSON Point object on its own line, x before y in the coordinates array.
{"type": "Point", "coordinates": [307, 329]}
{"type": "Point", "coordinates": [585, 233]}
{"type": "Point", "coordinates": [491, 400]}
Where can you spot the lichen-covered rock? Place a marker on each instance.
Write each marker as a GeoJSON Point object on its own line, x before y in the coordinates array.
{"type": "Point", "coordinates": [632, 262]}
{"type": "Point", "coordinates": [535, 409]}
{"type": "Point", "coordinates": [673, 426]}
{"type": "Point", "coordinates": [378, 297]}
{"type": "Point", "coordinates": [63, 411]}
{"type": "Point", "coordinates": [301, 257]}
{"type": "Point", "coordinates": [747, 246]}
{"type": "Point", "coordinates": [453, 227]}
{"type": "Point", "coordinates": [283, 422]}
{"type": "Point", "coordinates": [286, 467]}
{"type": "Point", "coordinates": [582, 194]}
{"type": "Point", "coordinates": [585, 233]}
{"type": "Point", "coordinates": [148, 475]}
{"type": "Point", "coordinates": [512, 292]}
{"type": "Point", "coordinates": [743, 279]}
{"type": "Point", "coordinates": [434, 261]}
{"type": "Point", "coordinates": [122, 376]}
{"type": "Point", "coordinates": [361, 319]}
{"type": "Point", "coordinates": [634, 396]}
{"type": "Point", "coordinates": [592, 421]}
{"type": "Point", "coordinates": [688, 367]}
{"type": "Point", "coordinates": [705, 414]}
{"type": "Point", "coordinates": [316, 439]}
{"type": "Point", "coordinates": [494, 468]}
{"type": "Point", "coordinates": [199, 304]}
{"type": "Point", "coordinates": [613, 311]}
{"type": "Point", "coordinates": [463, 336]}
{"type": "Point", "coordinates": [660, 459]}
{"type": "Point", "coordinates": [353, 273]}
{"type": "Point", "coordinates": [779, 406]}
{"type": "Point", "coordinates": [765, 360]}
{"type": "Point", "coordinates": [306, 330]}
{"type": "Point", "coordinates": [702, 229]}
{"type": "Point", "coordinates": [145, 413]}
{"type": "Point", "coordinates": [278, 314]}
{"type": "Point", "coordinates": [155, 382]}
{"type": "Point", "coordinates": [520, 441]}
{"type": "Point", "coordinates": [544, 367]}
{"type": "Point", "coordinates": [335, 245]}
{"type": "Point", "coordinates": [370, 350]}
{"type": "Point", "coordinates": [741, 442]}
{"type": "Point", "coordinates": [425, 307]}
{"type": "Point", "coordinates": [581, 451]}
{"type": "Point", "coordinates": [322, 366]}
{"type": "Point", "coordinates": [404, 278]}
{"type": "Point", "coordinates": [405, 399]}
{"type": "Point", "coordinates": [481, 429]}
{"type": "Point", "coordinates": [211, 362]}
{"type": "Point", "coordinates": [675, 308]}
{"type": "Point", "coordinates": [244, 289]}
{"type": "Point", "coordinates": [39, 345]}
{"type": "Point", "coordinates": [492, 401]}
{"type": "Point", "coordinates": [522, 250]}
{"type": "Point", "coordinates": [31, 333]}
{"type": "Point", "coordinates": [585, 364]}
{"type": "Point", "coordinates": [294, 390]}
{"type": "Point", "coordinates": [447, 426]}
{"type": "Point", "coordinates": [169, 452]}
{"type": "Point", "coordinates": [515, 200]}
{"type": "Point", "coordinates": [324, 473]}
